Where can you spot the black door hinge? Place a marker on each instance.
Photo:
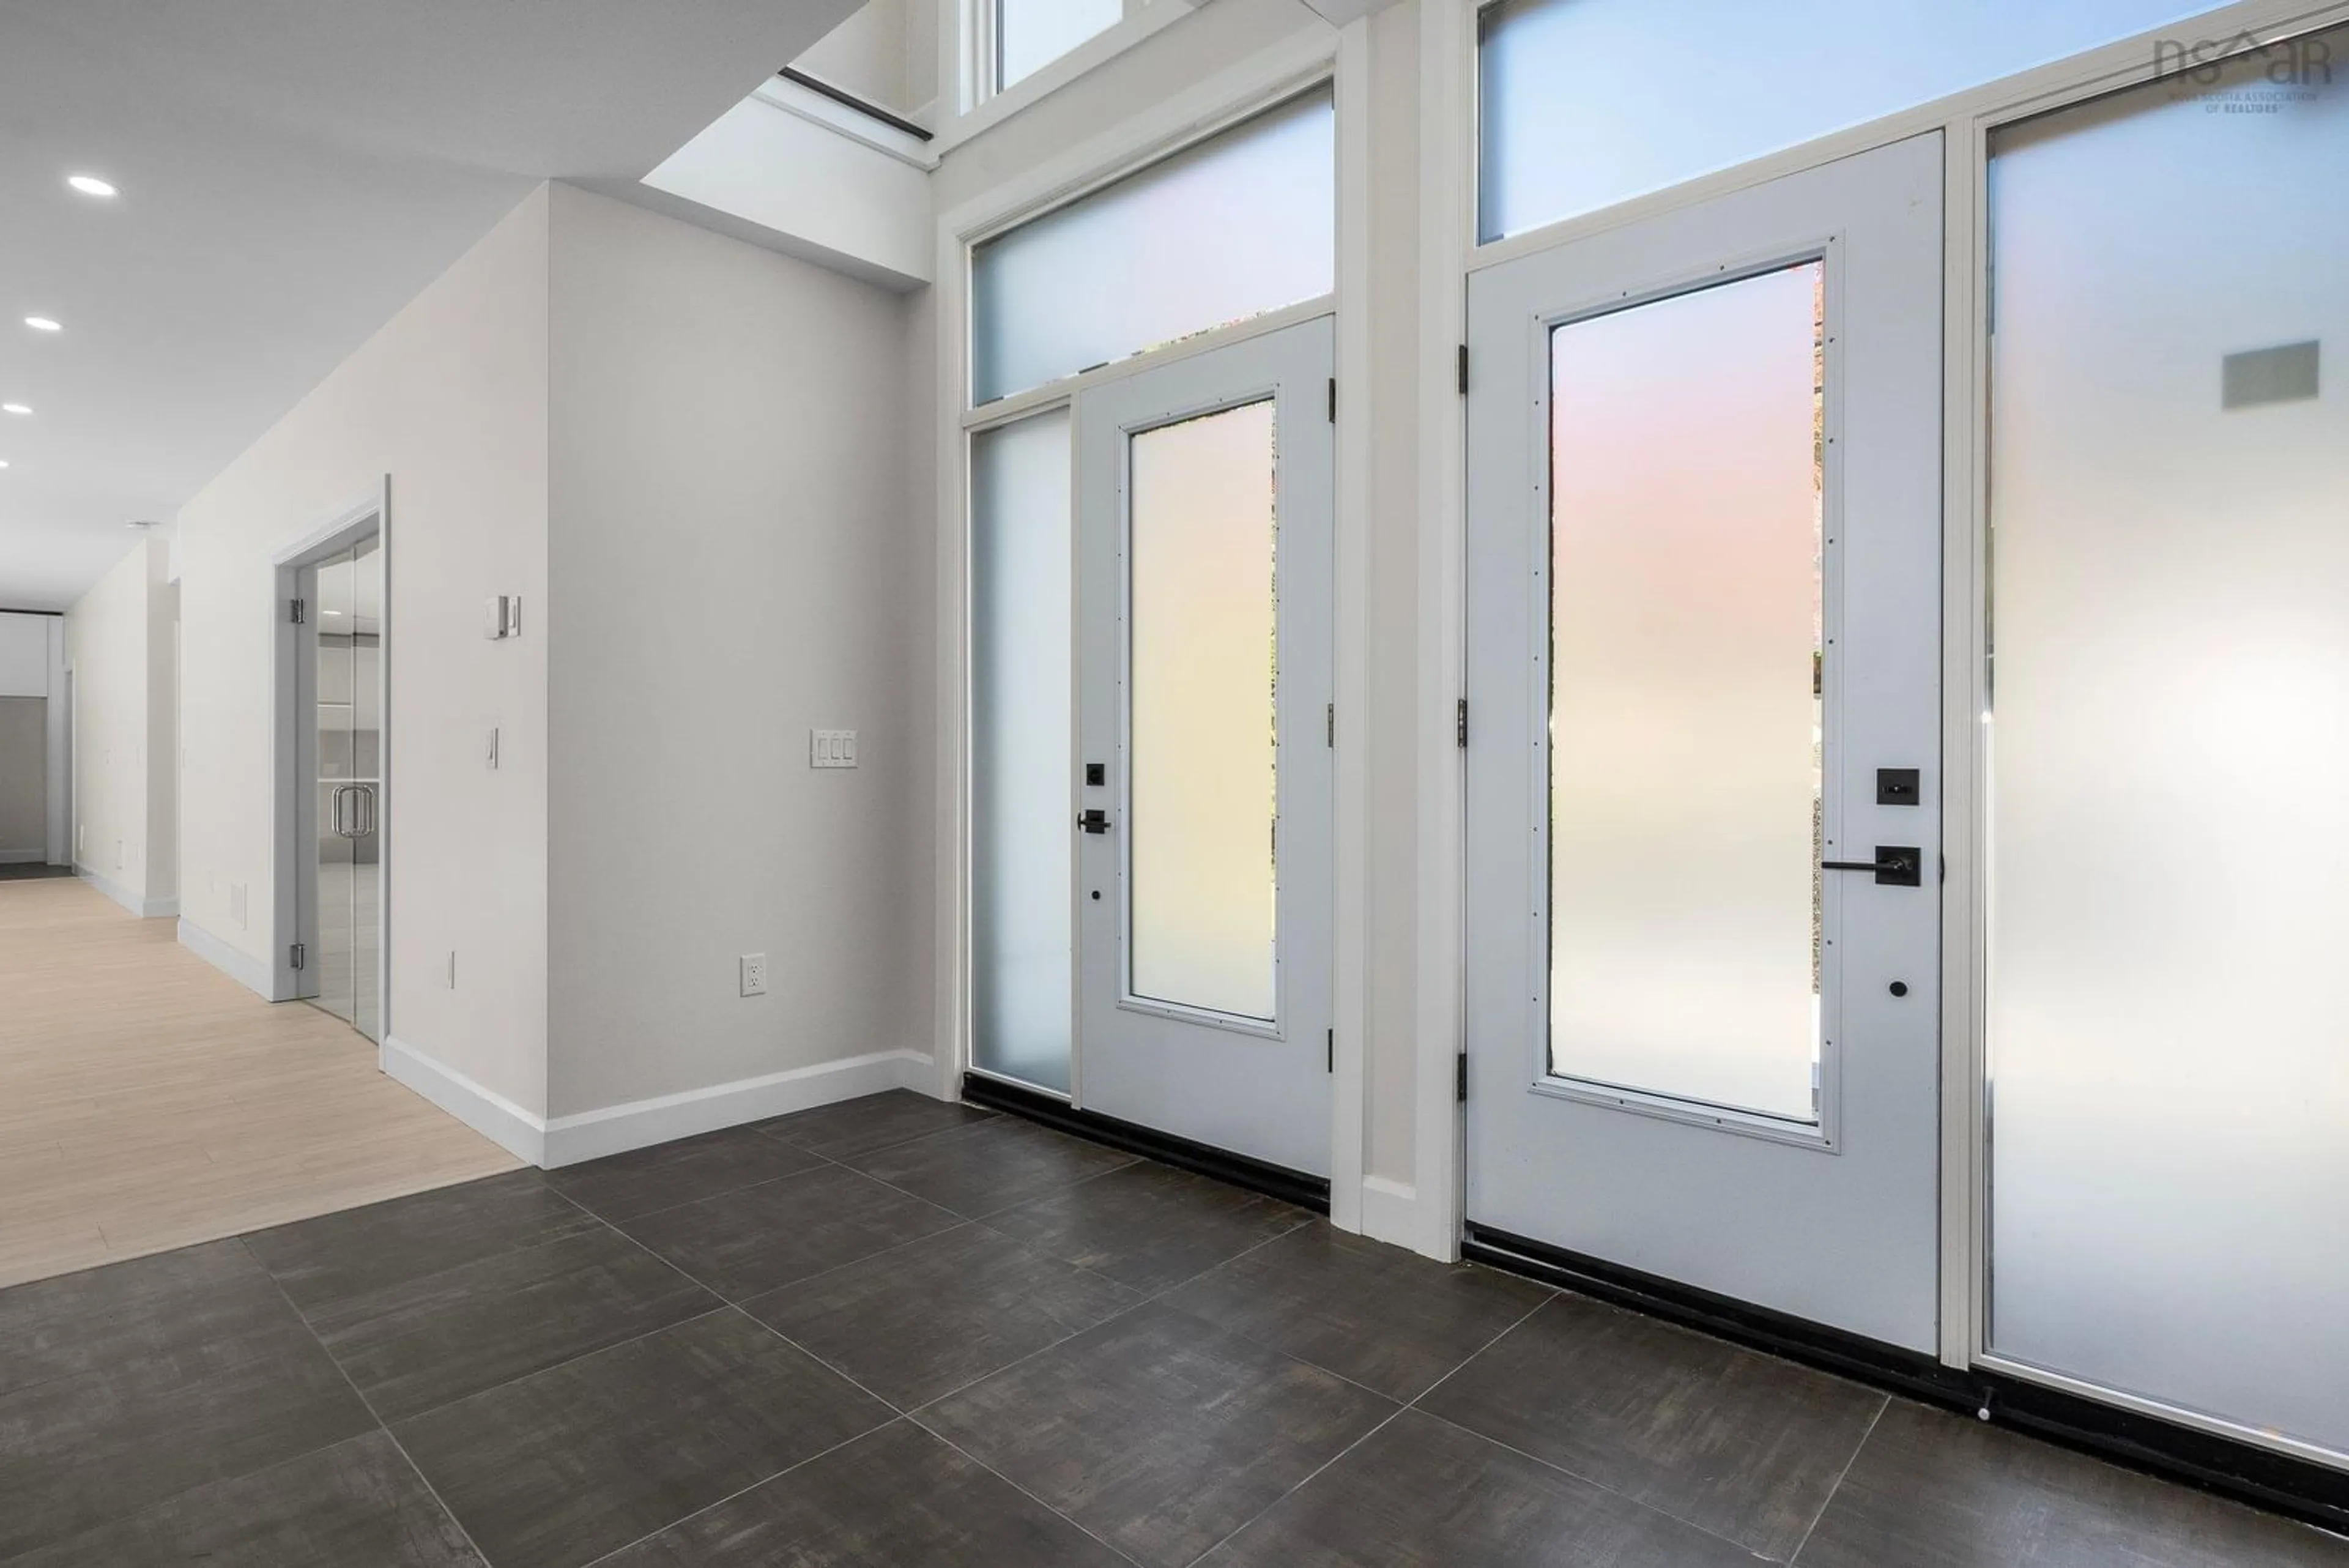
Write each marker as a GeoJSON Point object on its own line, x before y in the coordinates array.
{"type": "Point", "coordinates": [296, 612]}
{"type": "Point", "coordinates": [1460, 1077]}
{"type": "Point", "coordinates": [1333, 400]}
{"type": "Point", "coordinates": [1463, 369]}
{"type": "Point", "coordinates": [1329, 725]}
{"type": "Point", "coordinates": [300, 954]}
{"type": "Point", "coordinates": [1460, 723]}
{"type": "Point", "coordinates": [1332, 1066]}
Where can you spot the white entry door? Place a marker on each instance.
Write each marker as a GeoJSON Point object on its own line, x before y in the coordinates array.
{"type": "Point", "coordinates": [1205, 533]}
{"type": "Point", "coordinates": [1704, 609]}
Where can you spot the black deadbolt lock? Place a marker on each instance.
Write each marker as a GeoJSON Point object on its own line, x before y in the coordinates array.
{"type": "Point", "coordinates": [1896, 786]}
{"type": "Point", "coordinates": [1096, 775]}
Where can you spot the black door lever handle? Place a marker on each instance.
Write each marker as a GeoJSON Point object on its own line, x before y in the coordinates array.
{"type": "Point", "coordinates": [1896, 865]}
{"type": "Point", "coordinates": [1094, 820]}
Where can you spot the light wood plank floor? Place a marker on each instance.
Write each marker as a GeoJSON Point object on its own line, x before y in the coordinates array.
{"type": "Point", "coordinates": [148, 1101]}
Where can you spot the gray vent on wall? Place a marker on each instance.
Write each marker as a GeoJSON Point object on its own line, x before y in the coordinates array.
{"type": "Point", "coordinates": [2286, 374]}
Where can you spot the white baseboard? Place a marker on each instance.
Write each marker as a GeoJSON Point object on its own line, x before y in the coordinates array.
{"type": "Point", "coordinates": [521, 1132]}
{"type": "Point", "coordinates": [113, 889]}
{"type": "Point", "coordinates": [241, 967]}
{"type": "Point", "coordinates": [157, 909]}
{"type": "Point", "coordinates": [591, 1135]}
{"type": "Point", "coordinates": [22, 857]}
{"type": "Point", "coordinates": [615, 1129]}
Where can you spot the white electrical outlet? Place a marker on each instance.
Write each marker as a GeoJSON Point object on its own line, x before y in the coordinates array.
{"type": "Point", "coordinates": [236, 905]}
{"type": "Point", "coordinates": [754, 975]}
{"type": "Point", "coordinates": [831, 748]}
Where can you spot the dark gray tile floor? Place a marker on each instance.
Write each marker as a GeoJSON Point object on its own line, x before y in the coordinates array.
{"type": "Point", "coordinates": [895, 1333]}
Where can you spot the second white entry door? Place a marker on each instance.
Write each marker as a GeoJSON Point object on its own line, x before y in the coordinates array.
{"type": "Point", "coordinates": [1703, 763]}
{"type": "Point", "coordinates": [1204, 725]}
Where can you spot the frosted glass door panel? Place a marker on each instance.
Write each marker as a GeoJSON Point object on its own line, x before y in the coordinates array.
{"type": "Point", "coordinates": [1684, 727]}
{"type": "Point", "coordinates": [1032, 34]}
{"type": "Point", "coordinates": [1022, 774]}
{"type": "Point", "coordinates": [1586, 103]}
{"type": "Point", "coordinates": [2170, 724]}
{"type": "Point", "coordinates": [1243, 224]}
{"type": "Point", "coordinates": [1201, 710]}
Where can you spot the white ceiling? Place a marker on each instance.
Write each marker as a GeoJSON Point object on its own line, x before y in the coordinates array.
{"type": "Point", "coordinates": [292, 172]}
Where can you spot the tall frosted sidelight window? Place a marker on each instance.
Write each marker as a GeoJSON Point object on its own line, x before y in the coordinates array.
{"type": "Point", "coordinates": [1585, 103]}
{"type": "Point", "coordinates": [1202, 673]}
{"type": "Point", "coordinates": [1243, 224]}
{"type": "Point", "coordinates": [1032, 34]}
{"type": "Point", "coordinates": [2169, 1011]}
{"type": "Point", "coordinates": [1022, 769]}
{"type": "Point", "coordinates": [1685, 722]}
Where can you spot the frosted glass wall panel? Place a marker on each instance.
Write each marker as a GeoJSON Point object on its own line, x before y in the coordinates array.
{"type": "Point", "coordinates": [1684, 723]}
{"type": "Point", "coordinates": [1586, 103]}
{"type": "Point", "coordinates": [1023, 771]}
{"type": "Point", "coordinates": [1200, 699]}
{"type": "Point", "coordinates": [2169, 901]}
{"type": "Point", "coordinates": [1032, 34]}
{"type": "Point", "coordinates": [1242, 223]}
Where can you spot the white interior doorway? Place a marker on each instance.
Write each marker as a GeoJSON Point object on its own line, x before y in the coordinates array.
{"type": "Point", "coordinates": [332, 766]}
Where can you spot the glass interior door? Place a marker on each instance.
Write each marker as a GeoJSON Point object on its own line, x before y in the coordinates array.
{"type": "Point", "coordinates": [345, 964]}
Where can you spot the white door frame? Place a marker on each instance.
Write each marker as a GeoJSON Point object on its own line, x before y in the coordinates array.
{"type": "Point", "coordinates": [1449, 253]}
{"type": "Point", "coordinates": [294, 741]}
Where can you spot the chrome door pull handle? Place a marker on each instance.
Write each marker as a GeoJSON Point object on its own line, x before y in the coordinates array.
{"type": "Point", "coordinates": [1896, 865]}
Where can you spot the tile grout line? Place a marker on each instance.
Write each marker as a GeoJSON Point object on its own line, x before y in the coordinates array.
{"type": "Point", "coordinates": [1105, 1545]}
{"type": "Point", "coordinates": [1126, 1311]}
{"type": "Point", "coordinates": [369, 1405]}
{"type": "Point", "coordinates": [310, 1328]}
{"type": "Point", "coordinates": [1884, 1403]}
{"type": "Point", "coordinates": [1581, 1479]}
{"type": "Point", "coordinates": [1389, 1419]}
{"type": "Point", "coordinates": [1637, 1502]}
{"type": "Point", "coordinates": [730, 1497]}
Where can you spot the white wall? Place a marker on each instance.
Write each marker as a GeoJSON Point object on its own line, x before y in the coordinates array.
{"type": "Point", "coordinates": [118, 645]}
{"type": "Point", "coordinates": [449, 400]}
{"type": "Point", "coordinates": [739, 554]}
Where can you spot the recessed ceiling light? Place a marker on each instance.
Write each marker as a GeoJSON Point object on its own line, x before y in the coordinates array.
{"type": "Point", "coordinates": [89, 185]}
{"type": "Point", "coordinates": [44, 324]}
{"type": "Point", "coordinates": [4, 463]}
{"type": "Point", "coordinates": [14, 408]}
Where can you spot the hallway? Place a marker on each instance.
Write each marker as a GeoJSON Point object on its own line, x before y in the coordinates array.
{"type": "Point", "coordinates": [147, 1101]}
